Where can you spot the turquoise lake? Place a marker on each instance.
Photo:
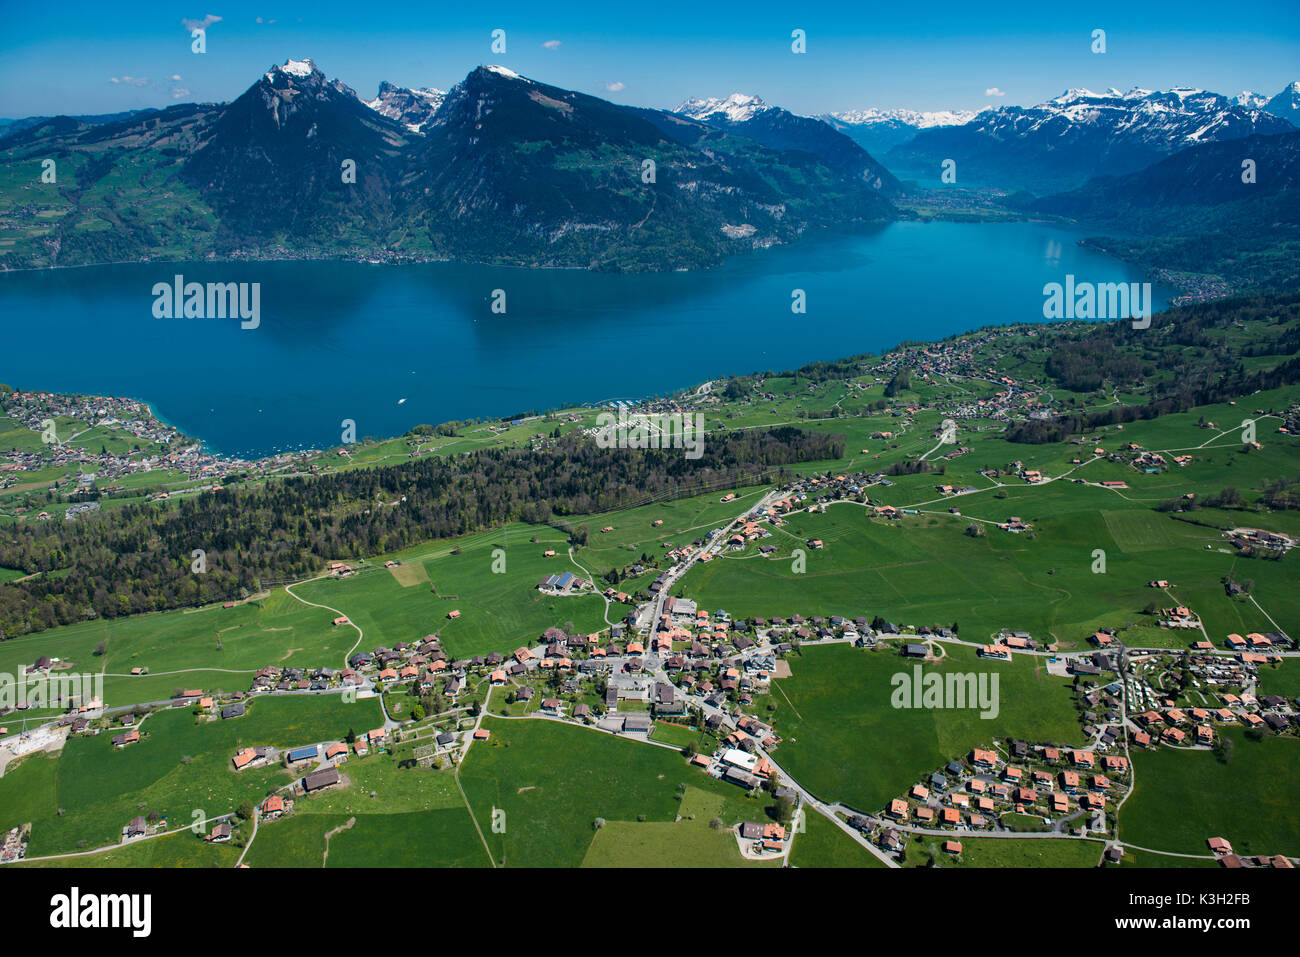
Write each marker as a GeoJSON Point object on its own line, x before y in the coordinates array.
{"type": "Point", "coordinates": [351, 340]}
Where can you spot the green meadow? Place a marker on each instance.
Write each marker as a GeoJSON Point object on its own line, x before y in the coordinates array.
{"type": "Point", "coordinates": [823, 844]}
{"type": "Point", "coordinates": [1182, 798]}
{"type": "Point", "coordinates": [82, 797]}
{"type": "Point", "coordinates": [925, 569]}
{"type": "Point", "coordinates": [551, 782]}
{"type": "Point", "coordinates": [844, 740]}
{"type": "Point", "coordinates": [927, 850]}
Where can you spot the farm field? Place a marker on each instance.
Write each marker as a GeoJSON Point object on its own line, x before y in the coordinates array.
{"type": "Point", "coordinates": [691, 841]}
{"type": "Point", "coordinates": [1000, 852]}
{"type": "Point", "coordinates": [1184, 797]}
{"type": "Point", "coordinates": [82, 798]}
{"type": "Point", "coordinates": [844, 741]}
{"type": "Point", "coordinates": [553, 781]}
{"type": "Point", "coordinates": [924, 569]}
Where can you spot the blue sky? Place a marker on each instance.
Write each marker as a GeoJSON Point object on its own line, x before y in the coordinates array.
{"type": "Point", "coordinates": [64, 58]}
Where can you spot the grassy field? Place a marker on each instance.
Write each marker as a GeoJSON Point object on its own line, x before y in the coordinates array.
{"type": "Point", "coordinates": [1184, 797]}
{"type": "Point", "coordinates": [553, 781]}
{"type": "Point", "coordinates": [688, 842]}
{"type": "Point", "coordinates": [179, 849]}
{"type": "Point", "coordinates": [844, 741]}
{"type": "Point", "coordinates": [926, 850]}
{"type": "Point", "coordinates": [924, 569]}
{"type": "Point", "coordinates": [822, 844]}
{"type": "Point", "coordinates": [82, 798]}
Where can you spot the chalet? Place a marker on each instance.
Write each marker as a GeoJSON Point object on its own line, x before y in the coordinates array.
{"type": "Point", "coordinates": [221, 833]}
{"type": "Point", "coordinates": [320, 780]}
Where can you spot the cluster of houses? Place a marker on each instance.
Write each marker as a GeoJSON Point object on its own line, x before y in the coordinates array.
{"type": "Point", "coordinates": [1006, 642]}
{"type": "Point", "coordinates": [1222, 849]}
{"type": "Point", "coordinates": [1259, 538]}
{"type": "Point", "coordinates": [737, 760]}
{"type": "Point", "coordinates": [119, 414]}
{"type": "Point", "coordinates": [1061, 786]}
{"type": "Point", "coordinates": [1179, 616]}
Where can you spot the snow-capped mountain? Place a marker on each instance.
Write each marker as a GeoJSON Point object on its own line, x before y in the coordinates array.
{"type": "Point", "coordinates": [273, 158]}
{"type": "Point", "coordinates": [1257, 101]}
{"type": "Point", "coordinates": [412, 108]}
{"type": "Point", "coordinates": [878, 131]}
{"type": "Point", "coordinates": [779, 129]}
{"type": "Point", "coordinates": [1287, 104]}
{"type": "Point", "coordinates": [1064, 141]}
{"type": "Point", "coordinates": [737, 108]}
{"type": "Point", "coordinates": [917, 119]}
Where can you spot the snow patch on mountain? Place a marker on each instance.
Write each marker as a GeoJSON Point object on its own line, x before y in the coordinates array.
{"type": "Point", "coordinates": [737, 108]}
{"type": "Point", "coordinates": [919, 119]}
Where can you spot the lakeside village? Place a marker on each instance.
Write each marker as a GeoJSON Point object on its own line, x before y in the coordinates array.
{"type": "Point", "coordinates": [188, 468]}
{"type": "Point", "coordinates": [104, 473]}
{"type": "Point", "coordinates": [671, 666]}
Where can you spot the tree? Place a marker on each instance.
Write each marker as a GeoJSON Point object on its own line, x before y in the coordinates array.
{"type": "Point", "coordinates": [784, 809]}
{"type": "Point", "coordinates": [245, 810]}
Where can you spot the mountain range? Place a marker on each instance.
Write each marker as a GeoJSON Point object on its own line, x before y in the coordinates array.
{"type": "Point", "coordinates": [779, 129]}
{"type": "Point", "coordinates": [878, 131]}
{"type": "Point", "coordinates": [505, 169]}
{"type": "Point", "coordinates": [1053, 146]}
{"type": "Point", "coordinates": [1062, 143]}
{"type": "Point", "coordinates": [1227, 210]}
{"type": "Point", "coordinates": [501, 168]}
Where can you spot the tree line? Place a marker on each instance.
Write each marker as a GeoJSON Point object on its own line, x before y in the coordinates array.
{"type": "Point", "coordinates": [140, 557]}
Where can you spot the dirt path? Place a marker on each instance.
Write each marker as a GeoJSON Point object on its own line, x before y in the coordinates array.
{"type": "Point", "coordinates": [328, 834]}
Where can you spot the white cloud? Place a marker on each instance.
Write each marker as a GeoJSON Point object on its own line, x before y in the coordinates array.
{"type": "Point", "coordinates": [175, 77]}
{"type": "Point", "coordinates": [994, 91]}
{"type": "Point", "coordinates": [129, 80]}
{"type": "Point", "coordinates": [616, 86]}
{"type": "Point", "coordinates": [207, 21]}
{"type": "Point", "coordinates": [553, 44]}
{"type": "Point", "coordinates": [179, 92]}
